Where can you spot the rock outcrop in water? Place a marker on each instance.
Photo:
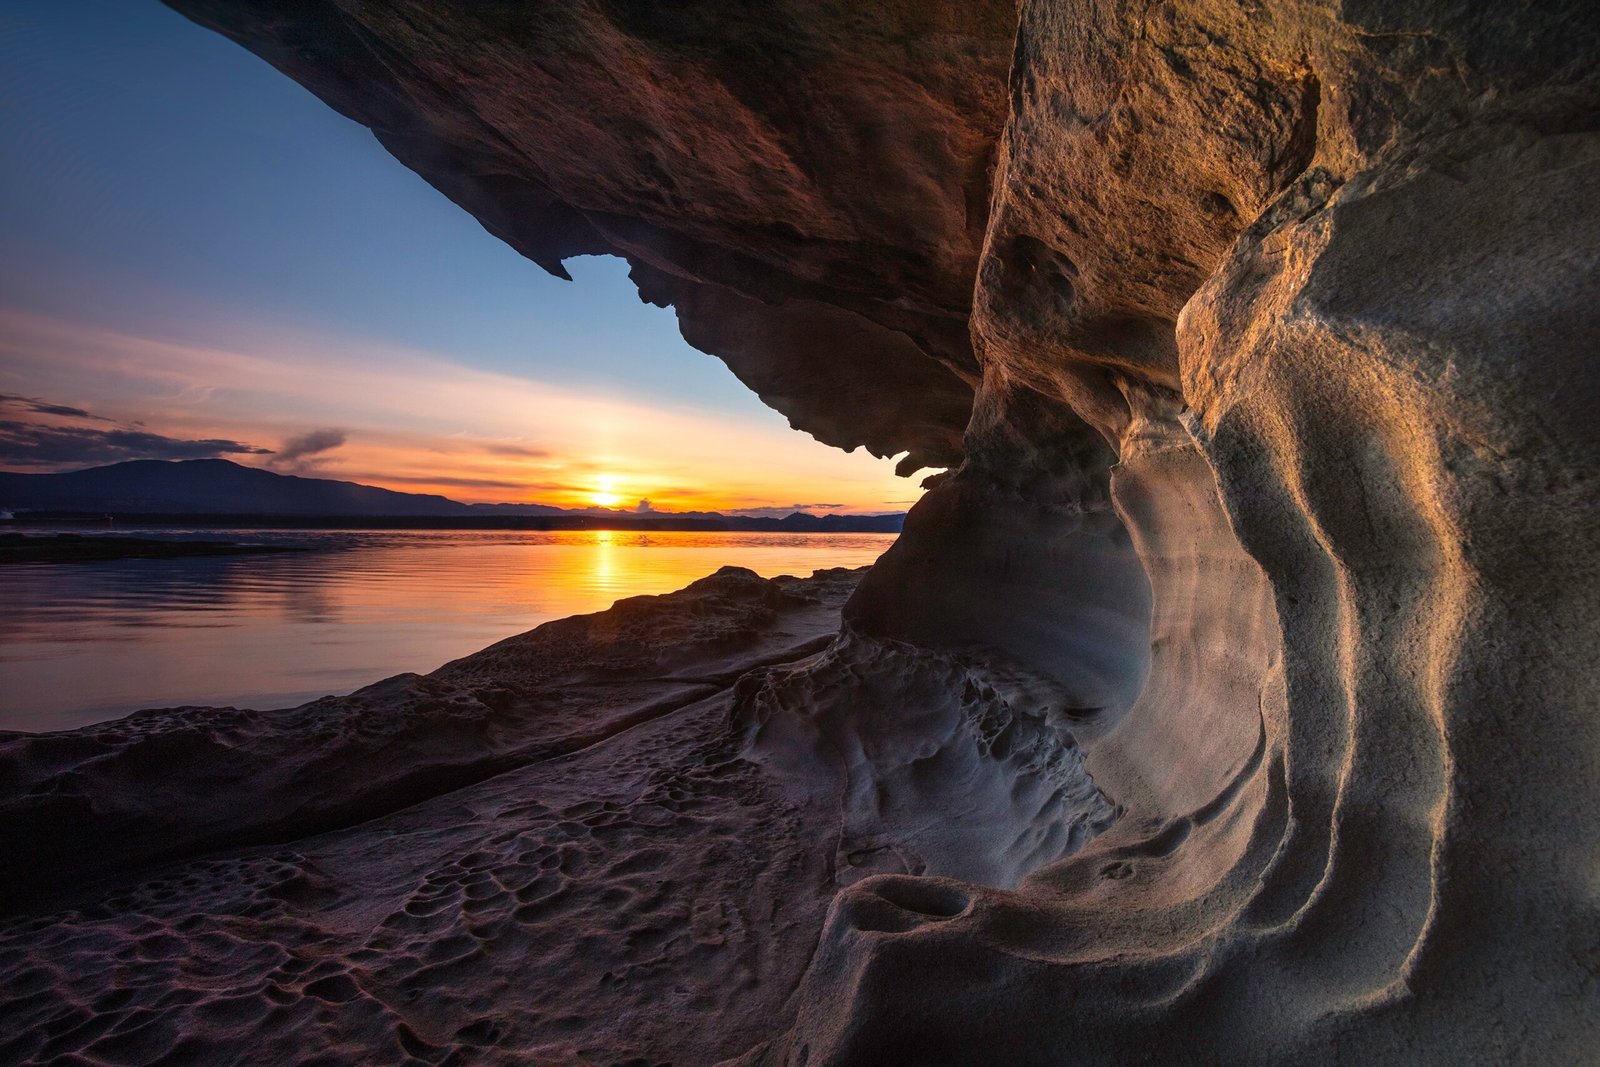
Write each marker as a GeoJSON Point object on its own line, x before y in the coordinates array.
{"type": "Point", "coordinates": [1233, 696]}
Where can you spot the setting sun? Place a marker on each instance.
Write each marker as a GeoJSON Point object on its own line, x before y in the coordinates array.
{"type": "Point", "coordinates": [604, 495]}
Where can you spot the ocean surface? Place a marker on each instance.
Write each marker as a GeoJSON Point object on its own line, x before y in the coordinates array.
{"type": "Point", "coordinates": [84, 642]}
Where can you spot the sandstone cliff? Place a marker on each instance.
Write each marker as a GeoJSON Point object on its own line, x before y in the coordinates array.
{"type": "Point", "coordinates": [1233, 697]}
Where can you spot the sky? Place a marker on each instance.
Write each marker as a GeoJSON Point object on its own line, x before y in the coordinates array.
{"type": "Point", "coordinates": [198, 258]}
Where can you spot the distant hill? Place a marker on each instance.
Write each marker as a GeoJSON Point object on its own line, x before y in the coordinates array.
{"type": "Point", "coordinates": [216, 489]}
{"type": "Point", "coordinates": [208, 486]}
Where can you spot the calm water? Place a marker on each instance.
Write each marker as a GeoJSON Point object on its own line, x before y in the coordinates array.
{"type": "Point", "coordinates": [84, 642]}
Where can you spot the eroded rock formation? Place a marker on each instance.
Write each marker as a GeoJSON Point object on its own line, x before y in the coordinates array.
{"type": "Point", "coordinates": [789, 175]}
{"type": "Point", "coordinates": [1232, 697]}
{"type": "Point", "coordinates": [549, 852]}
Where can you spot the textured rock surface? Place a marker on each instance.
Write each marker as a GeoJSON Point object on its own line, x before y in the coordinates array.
{"type": "Point", "coordinates": [558, 850]}
{"type": "Point", "coordinates": [1276, 509]}
{"type": "Point", "coordinates": [1312, 279]}
{"type": "Point", "coordinates": [172, 782]}
{"type": "Point", "coordinates": [603, 864]}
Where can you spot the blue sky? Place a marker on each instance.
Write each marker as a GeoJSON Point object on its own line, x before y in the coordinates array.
{"type": "Point", "coordinates": [163, 186]}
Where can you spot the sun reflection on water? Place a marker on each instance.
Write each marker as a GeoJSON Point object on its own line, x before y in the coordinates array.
{"type": "Point", "coordinates": [92, 641]}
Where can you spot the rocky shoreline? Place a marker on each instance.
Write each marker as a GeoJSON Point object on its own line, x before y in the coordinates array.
{"type": "Point", "coordinates": [403, 873]}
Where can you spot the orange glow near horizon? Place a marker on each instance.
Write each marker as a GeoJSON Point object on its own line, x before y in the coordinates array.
{"type": "Point", "coordinates": [415, 422]}
{"type": "Point", "coordinates": [604, 494]}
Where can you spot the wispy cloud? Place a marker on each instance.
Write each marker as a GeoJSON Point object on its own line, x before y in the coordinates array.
{"type": "Point", "coordinates": [497, 448]}
{"type": "Point", "coordinates": [415, 419]}
{"type": "Point", "coordinates": [303, 454]}
{"type": "Point", "coordinates": [40, 407]}
{"type": "Point", "coordinates": [455, 481]}
{"type": "Point", "coordinates": [785, 508]}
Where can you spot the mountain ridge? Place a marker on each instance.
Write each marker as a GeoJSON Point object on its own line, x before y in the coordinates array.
{"type": "Point", "coordinates": [218, 488]}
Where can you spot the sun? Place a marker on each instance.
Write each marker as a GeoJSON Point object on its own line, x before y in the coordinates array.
{"type": "Point", "coordinates": [603, 495]}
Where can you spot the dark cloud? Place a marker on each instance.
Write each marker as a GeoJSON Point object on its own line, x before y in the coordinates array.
{"type": "Point", "coordinates": [25, 444]}
{"type": "Point", "coordinates": [41, 407]}
{"type": "Point", "coordinates": [60, 409]}
{"type": "Point", "coordinates": [306, 451]}
{"type": "Point", "coordinates": [644, 506]}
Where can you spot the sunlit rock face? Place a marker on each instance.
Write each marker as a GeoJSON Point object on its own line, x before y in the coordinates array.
{"type": "Point", "coordinates": [1271, 540]}
{"type": "Point", "coordinates": [1313, 283]}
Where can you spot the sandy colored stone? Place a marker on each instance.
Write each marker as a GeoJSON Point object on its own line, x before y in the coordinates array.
{"type": "Point", "coordinates": [1232, 697]}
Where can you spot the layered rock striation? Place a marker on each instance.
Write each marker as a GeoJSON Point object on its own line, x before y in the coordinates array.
{"type": "Point", "coordinates": [1231, 697]}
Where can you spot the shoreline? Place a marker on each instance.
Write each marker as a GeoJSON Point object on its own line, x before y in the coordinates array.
{"type": "Point", "coordinates": [797, 523]}
{"type": "Point", "coordinates": [585, 774]}
{"type": "Point", "coordinates": [680, 780]}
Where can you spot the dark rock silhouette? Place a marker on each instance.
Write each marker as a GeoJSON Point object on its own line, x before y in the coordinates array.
{"type": "Point", "coordinates": [209, 486]}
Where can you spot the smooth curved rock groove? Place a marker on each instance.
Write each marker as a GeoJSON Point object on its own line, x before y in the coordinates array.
{"type": "Point", "coordinates": [1361, 379]}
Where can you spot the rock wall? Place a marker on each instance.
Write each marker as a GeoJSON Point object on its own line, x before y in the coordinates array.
{"type": "Point", "coordinates": [1273, 471]}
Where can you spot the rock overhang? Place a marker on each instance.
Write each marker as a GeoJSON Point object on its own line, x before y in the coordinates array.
{"type": "Point", "coordinates": [1219, 276]}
